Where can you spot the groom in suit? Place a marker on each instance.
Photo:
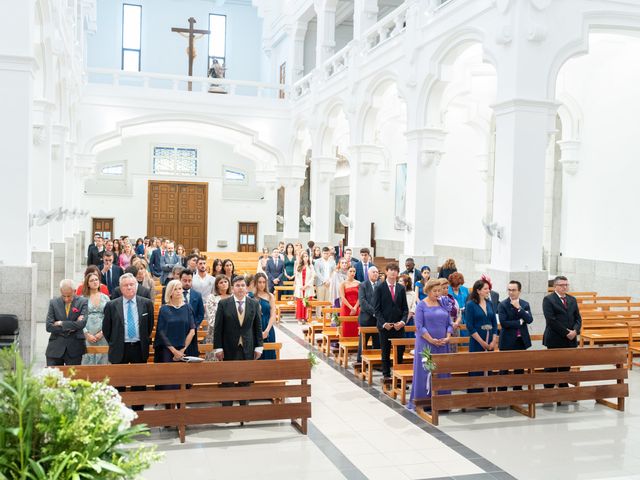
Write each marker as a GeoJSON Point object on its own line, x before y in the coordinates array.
{"type": "Point", "coordinates": [563, 321]}
{"type": "Point", "coordinates": [237, 333]}
{"type": "Point", "coordinates": [66, 319]}
{"type": "Point", "coordinates": [390, 300]}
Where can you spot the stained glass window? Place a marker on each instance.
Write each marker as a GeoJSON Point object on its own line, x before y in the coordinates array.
{"type": "Point", "coordinates": [175, 161]}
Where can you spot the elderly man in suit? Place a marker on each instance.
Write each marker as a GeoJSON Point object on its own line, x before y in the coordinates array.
{"type": "Point", "coordinates": [168, 261]}
{"type": "Point", "coordinates": [237, 333]}
{"type": "Point", "coordinates": [563, 321]}
{"type": "Point", "coordinates": [274, 269]}
{"type": "Point", "coordinates": [367, 316]}
{"type": "Point", "coordinates": [392, 310]}
{"type": "Point", "coordinates": [66, 319]}
{"type": "Point", "coordinates": [110, 273]}
{"type": "Point", "coordinates": [142, 291]}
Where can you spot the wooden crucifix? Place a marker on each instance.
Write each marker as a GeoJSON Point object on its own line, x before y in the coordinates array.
{"type": "Point", "coordinates": [191, 51]}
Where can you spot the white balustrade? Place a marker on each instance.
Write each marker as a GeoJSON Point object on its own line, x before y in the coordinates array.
{"type": "Point", "coordinates": [302, 86]}
{"type": "Point", "coordinates": [389, 27]}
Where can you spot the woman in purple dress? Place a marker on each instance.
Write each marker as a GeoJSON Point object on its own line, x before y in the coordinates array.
{"type": "Point", "coordinates": [433, 329]}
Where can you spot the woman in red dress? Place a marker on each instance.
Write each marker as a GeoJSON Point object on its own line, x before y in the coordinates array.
{"type": "Point", "coordinates": [349, 303]}
{"type": "Point", "coordinates": [303, 285]}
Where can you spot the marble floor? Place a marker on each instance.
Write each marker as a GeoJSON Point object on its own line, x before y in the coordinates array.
{"type": "Point", "coordinates": [356, 432]}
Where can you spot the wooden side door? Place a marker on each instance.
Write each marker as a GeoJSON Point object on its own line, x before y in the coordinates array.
{"type": "Point", "coordinates": [247, 237]}
{"type": "Point", "coordinates": [103, 226]}
{"type": "Point", "coordinates": [162, 216]}
{"type": "Point", "coordinates": [192, 221]}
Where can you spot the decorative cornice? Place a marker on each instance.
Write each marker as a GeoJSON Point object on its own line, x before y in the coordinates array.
{"type": "Point", "coordinates": [18, 63]}
{"type": "Point", "coordinates": [510, 106]}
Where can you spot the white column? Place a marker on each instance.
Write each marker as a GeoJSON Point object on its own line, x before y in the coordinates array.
{"type": "Point", "coordinates": [364, 17]}
{"type": "Point", "coordinates": [70, 185]}
{"type": "Point", "coordinates": [323, 170]}
{"type": "Point", "coordinates": [325, 40]}
{"type": "Point", "coordinates": [424, 151]}
{"type": "Point", "coordinates": [292, 180]}
{"type": "Point", "coordinates": [58, 179]}
{"type": "Point", "coordinates": [295, 64]}
{"type": "Point", "coordinates": [40, 177]}
{"type": "Point", "coordinates": [364, 160]}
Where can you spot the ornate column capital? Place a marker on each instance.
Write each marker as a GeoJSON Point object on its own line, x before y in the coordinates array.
{"type": "Point", "coordinates": [291, 176]}
{"type": "Point", "coordinates": [366, 157]}
{"type": "Point", "coordinates": [430, 144]}
{"type": "Point", "coordinates": [569, 155]}
{"type": "Point", "coordinates": [324, 168]}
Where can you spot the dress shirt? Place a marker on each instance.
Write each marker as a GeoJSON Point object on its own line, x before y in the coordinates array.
{"type": "Point", "coordinates": [134, 308]}
{"type": "Point", "coordinates": [244, 307]}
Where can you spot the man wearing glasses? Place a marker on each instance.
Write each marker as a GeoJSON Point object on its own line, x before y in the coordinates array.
{"type": "Point", "coordinates": [563, 321]}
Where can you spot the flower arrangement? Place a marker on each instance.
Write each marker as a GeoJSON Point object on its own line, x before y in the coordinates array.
{"type": "Point", "coordinates": [56, 428]}
{"type": "Point", "coordinates": [306, 302]}
{"type": "Point", "coordinates": [313, 359]}
{"type": "Point", "coordinates": [427, 360]}
{"type": "Point", "coordinates": [335, 319]}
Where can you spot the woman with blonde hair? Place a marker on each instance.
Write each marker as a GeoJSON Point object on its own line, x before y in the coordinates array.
{"type": "Point", "coordinates": [176, 327]}
{"type": "Point", "coordinates": [448, 267]}
{"type": "Point", "coordinates": [124, 259]}
{"type": "Point", "coordinates": [303, 285]}
{"type": "Point", "coordinates": [144, 277]}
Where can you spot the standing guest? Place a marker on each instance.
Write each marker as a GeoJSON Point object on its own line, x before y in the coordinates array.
{"type": "Point", "coordinates": [274, 269]}
{"type": "Point", "coordinates": [268, 309]}
{"type": "Point", "coordinates": [339, 249]}
{"type": "Point", "coordinates": [391, 316]}
{"type": "Point", "coordinates": [482, 327]}
{"type": "Point", "coordinates": [297, 249]}
{"type": "Point", "coordinates": [450, 303]}
{"type": "Point", "coordinates": [238, 329]}
{"type": "Point", "coordinates": [142, 291]}
{"type": "Point", "coordinates": [167, 262]}
{"type": "Point", "coordinates": [281, 248]}
{"type": "Point", "coordinates": [448, 267]}
{"type": "Point", "coordinates": [87, 271]}
{"type": "Point", "coordinates": [191, 262]}
{"type": "Point", "coordinates": [92, 245]}
{"type": "Point", "coordinates": [140, 246]}
{"type": "Point", "coordinates": [324, 268]}
{"type": "Point", "coordinates": [96, 301]}
{"type": "Point", "coordinates": [216, 268]}
{"type": "Point", "coordinates": [433, 330]}
{"type": "Point", "coordinates": [156, 257]}
{"type": "Point", "coordinates": [66, 320]}
{"type": "Point", "coordinates": [174, 275]}
{"type": "Point", "coordinates": [262, 261]}
{"type": "Point", "coordinates": [316, 254]}
{"type": "Point", "coordinates": [515, 316]}
{"type": "Point", "coordinates": [563, 321]}
{"type": "Point", "coordinates": [95, 251]}
{"type": "Point", "coordinates": [144, 277]}
{"type": "Point", "coordinates": [127, 326]}
{"type": "Point", "coordinates": [493, 295]}
{"type": "Point", "coordinates": [181, 252]}
{"type": "Point", "coordinates": [117, 248]}
{"type": "Point", "coordinates": [405, 280]}
{"type": "Point", "coordinates": [202, 282]}
{"type": "Point", "coordinates": [176, 328]}
{"type": "Point", "coordinates": [303, 286]}
{"type": "Point", "coordinates": [310, 248]}
{"type": "Point", "coordinates": [367, 316]}
{"type": "Point", "coordinates": [289, 263]}
{"type": "Point", "coordinates": [124, 260]}
{"type": "Point", "coordinates": [425, 276]}
{"type": "Point", "coordinates": [363, 266]}
{"type": "Point", "coordinates": [228, 269]}
{"type": "Point", "coordinates": [110, 273]}
{"type": "Point", "coordinates": [192, 297]}
{"type": "Point", "coordinates": [410, 269]}
{"type": "Point", "coordinates": [339, 276]}
{"type": "Point", "coordinates": [349, 303]}
{"type": "Point", "coordinates": [348, 255]}
{"type": "Point", "coordinates": [109, 247]}
{"type": "Point", "coordinates": [461, 293]}
{"type": "Point", "coordinates": [220, 291]}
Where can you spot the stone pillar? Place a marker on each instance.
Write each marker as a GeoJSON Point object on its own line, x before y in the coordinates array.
{"type": "Point", "coordinates": [365, 160]}
{"type": "Point", "coordinates": [17, 287]}
{"type": "Point", "coordinates": [59, 263]}
{"type": "Point", "coordinates": [44, 284]}
{"type": "Point", "coordinates": [323, 170]}
{"type": "Point", "coordinates": [58, 180]}
{"type": "Point", "coordinates": [70, 257]}
{"type": "Point", "coordinates": [79, 259]}
{"type": "Point", "coordinates": [41, 174]}
{"type": "Point", "coordinates": [292, 178]}
{"type": "Point", "coordinates": [424, 151]}
{"type": "Point", "coordinates": [325, 40]}
{"type": "Point", "coordinates": [364, 17]}
{"type": "Point", "coordinates": [71, 181]}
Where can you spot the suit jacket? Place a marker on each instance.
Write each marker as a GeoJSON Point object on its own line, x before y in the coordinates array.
{"type": "Point", "coordinates": [167, 262]}
{"type": "Point", "coordinates": [367, 316]}
{"type": "Point", "coordinates": [154, 263]}
{"type": "Point", "coordinates": [323, 271]}
{"type": "Point", "coordinates": [227, 329]}
{"type": "Point", "coordinates": [338, 252]}
{"type": "Point", "coordinates": [113, 327]}
{"type": "Point", "coordinates": [510, 323]}
{"type": "Point", "coordinates": [197, 307]}
{"type": "Point", "coordinates": [141, 292]}
{"type": "Point", "coordinates": [69, 336]}
{"type": "Point", "coordinates": [416, 276]}
{"type": "Point", "coordinates": [495, 299]}
{"type": "Point", "coordinates": [116, 273]}
{"type": "Point", "coordinates": [559, 321]}
{"type": "Point", "coordinates": [389, 310]}
{"type": "Point", "coordinates": [360, 276]}
{"type": "Point", "coordinates": [272, 272]}
{"type": "Point", "coordinates": [94, 257]}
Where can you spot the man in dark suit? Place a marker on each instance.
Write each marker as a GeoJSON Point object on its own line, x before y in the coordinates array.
{"type": "Point", "coordinates": [154, 261]}
{"type": "Point", "coordinates": [391, 316]}
{"type": "Point", "coordinates": [367, 316]}
{"type": "Point", "coordinates": [110, 273]}
{"type": "Point", "coordinates": [274, 269]}
{"type": "Point", "coordinates": [95, 251]}
{"type": "Point", "coordinates": [563, 321]}
{"type": "Point", "coordinates": [363, 265]}
{"type": "Point", "coordinates": [141, 292]}
{"type": "Point", "coordinates": [410, 269]}
{"type": "Point", "coordinates": [66, 319]}
{"type": "Point", "coordinates": [167, 262]}
{"type": "Point", "coordinates": [515, 316]}
{"type": "Point", "coordinates": [339, 250]}
{"type": "Point", "coordinates": [192, 297]}
{"type": "Point", "coordinates": [127, 326]}
{"type": "Point", "coordinates": [237, 333]}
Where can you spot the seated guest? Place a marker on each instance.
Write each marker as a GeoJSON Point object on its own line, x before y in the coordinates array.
{"type": "Point", "coordinates": [96, 301]}
{"type": "Point", "coordinates": [87, 271]}
{"type": "Point", "coordinates": [425, 276]}
{"type": "Point", "coordinates": [176, 328]}
{"type": "Point", "coordinates": [110, 273]}
{"type": "Point", "coordinates": [268, 308]}
{"type": "Point", "coordinates": [141, 291]}
{"type": "Point", "coordinates": [66, 320]}
{"type": "Point", "coordinates": [124, 260]}
{"type": "Point", "coordinates": [228, 269]}
{"type": "Point", "coordinates": [480, 318]}
{"type": "Point", "coordinates": [95, 251]}
{"type": "Point", "coordinates": [405, 281]}
{"type": "Point", "coordinates": [202, 281]}
{"type": "Point", "coordinates": [433, 330]}
{"type": "Point", "coordinates": [274, 269]}
{"type": "Point", "coordinates": [304, 286]}
{"type": "Point", "coordinates": [410, 269]}
{"type": "Point", "coordinates": [448, 267]}
{"type": "Point", "coordinates": [221, 290]}
{"type": "Point", "coordinates": [192, 297]}
{"type": "Point", "coordinates": [167, 262]}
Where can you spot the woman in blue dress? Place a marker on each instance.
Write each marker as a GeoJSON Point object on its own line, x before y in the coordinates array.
{"type": "Point", "coordinates": [481, 322]}
{"type": "Point", "coordinates": [461, 294]}
{"type": "Point", "coordinates": [176, 328]}
{"type": "Point", "coordinates": [433, 330]}
{"type": "Point", "coordinates": [425, 276]}
{"type": "Point", "coordinates": [289, 266]}
{"type": "Point", "coordinates": [268, 308]}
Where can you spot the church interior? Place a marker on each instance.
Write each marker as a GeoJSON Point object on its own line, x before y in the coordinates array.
{"type": "Point", "coordinates": [411, 129]}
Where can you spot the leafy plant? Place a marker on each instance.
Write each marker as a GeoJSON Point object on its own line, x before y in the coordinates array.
{"type": "Point", "coordinates": [427, 359]}
{"type": "Point", "coordinates": [313, 359]}
{"type": "Point", "coordinates": [55, 428]}
{"type": "Point", "coordinates": [335, 319]}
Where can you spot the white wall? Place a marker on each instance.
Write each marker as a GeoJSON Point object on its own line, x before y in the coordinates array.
{"type": "Point", "coordinates": [600, 202]}
{"type": "Point", "coordinates": [164, 51]}
{"type": "Point", "coordinates": [129, 209]}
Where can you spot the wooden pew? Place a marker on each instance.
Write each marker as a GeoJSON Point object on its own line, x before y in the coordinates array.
{"type": "Point", "coordinates": [401, 373]}
{"type": "Point", "coordinates": [328, 333]}
{"type": "Point", "coordinates": [183, 374]}
{"type": "Point", "coordinates": [610, 381]}
{"type": "Point", "coordinates": [634, 343]}
{"type": "Point", "coordinates": [203, 348]}
{"type": "Point", "coordinates": [371, 357]}
{"type": "Point", "coordinates": [346, 345]}
{"type": "Point", "coordinates": [315, 324]}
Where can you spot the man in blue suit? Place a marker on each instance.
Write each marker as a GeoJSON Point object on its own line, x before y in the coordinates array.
{"type": "Point", "coordinates": [362, 267]}
{"type": "Point", "coordinates": [154, 260]}
{"type": "Point", "coordinates": [168, 261]}
{"type": "Point", "coordinates": [274, 269]}
{"type": "Point", "coordinates": [110, 273]}
{"type": "Point", "coordinates": [192, 297]}
{"type": "Point", "coordinates": [515, 316]}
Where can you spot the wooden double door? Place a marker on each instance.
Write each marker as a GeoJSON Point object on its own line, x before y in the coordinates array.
{"type": "Point", "coordinates": [178, 211]}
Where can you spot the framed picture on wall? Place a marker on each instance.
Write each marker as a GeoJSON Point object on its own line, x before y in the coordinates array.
{"type": "Point", "coordinates": [401, 194]}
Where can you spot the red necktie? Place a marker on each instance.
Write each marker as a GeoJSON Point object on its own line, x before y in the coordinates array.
{"type": "Point", "coordinates": [564, 301]}
{"type": "Point", "coordinates": [392, 289]}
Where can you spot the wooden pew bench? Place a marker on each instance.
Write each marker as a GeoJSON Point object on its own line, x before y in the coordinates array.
{"type": "Point", "coordinates": [610, 382]}
{"type": "Point", "coordinates": [183, 374]}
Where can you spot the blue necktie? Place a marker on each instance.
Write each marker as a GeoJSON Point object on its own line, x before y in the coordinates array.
{"type": "Point", "coordinates": [131, 326]}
